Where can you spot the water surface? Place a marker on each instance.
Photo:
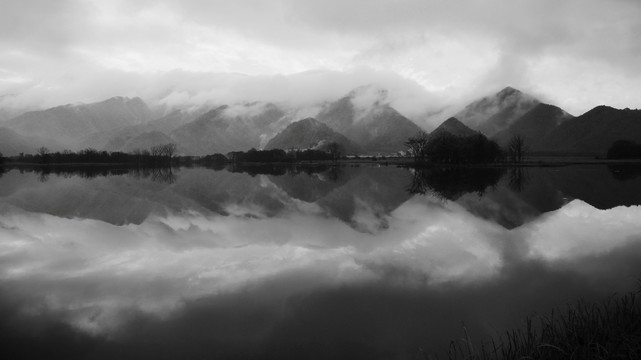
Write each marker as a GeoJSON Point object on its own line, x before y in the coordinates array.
{"type": "Point", "coordinates": [348, 262]}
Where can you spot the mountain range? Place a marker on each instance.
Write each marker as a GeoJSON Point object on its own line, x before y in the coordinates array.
{"type": "Point", "coordinates": [547, 128]}
{"type": "Point", "coordinates": [362, 121]}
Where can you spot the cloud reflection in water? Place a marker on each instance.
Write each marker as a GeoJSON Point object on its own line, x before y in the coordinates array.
{"type": "Point", "coordinates": [294, 264]}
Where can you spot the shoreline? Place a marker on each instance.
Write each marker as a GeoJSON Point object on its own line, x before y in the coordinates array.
{"type": "Point", "coordinates": [404, 162]}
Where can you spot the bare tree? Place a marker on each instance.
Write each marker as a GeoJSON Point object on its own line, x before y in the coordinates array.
{"type": "Point", "coordinates": [335, 149]}
{"type": "Point", "coordinates": [169, 150]}
{"type": "Point", "coordinates": [417, 145]}
{"type": "Point", "coordinates": [42, 151]}
{"type": "Point", "coordinates": [517, 150]}
{"type": "Point", "coordinates": [156, 151]}
{"type": "Point", "coordinates": [163, 152]}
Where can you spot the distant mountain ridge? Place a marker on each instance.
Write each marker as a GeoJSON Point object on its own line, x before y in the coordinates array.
{"type": "Point", "coordinates": [535, 126]}
{"type": "Point", "coordinates": [12, 143]}
{"type": "Point", "coordinates": [129, 137]}
{"type": "Point", "coordinates": [229, 128]}
{"type": "Point", "coordinates": [596, 130]}
{"type": "Point", "coordinates": [548, 128]}
{"type": "Point", "coordinates": [68, 124]}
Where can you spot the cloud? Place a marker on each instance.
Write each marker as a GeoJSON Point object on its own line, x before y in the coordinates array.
{"type": "Point", "coordinates": [572, 232]}
{"type": "Point", "coordinates": [128, 285]}
{"type": "Point", "coordinates": [69, 51]}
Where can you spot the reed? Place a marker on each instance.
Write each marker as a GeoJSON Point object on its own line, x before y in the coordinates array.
{"type": "Point", "coordinates": [610, 329]}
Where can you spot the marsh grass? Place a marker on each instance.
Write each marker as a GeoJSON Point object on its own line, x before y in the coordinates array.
{"type": "Point", "coordinates": [606, 330]}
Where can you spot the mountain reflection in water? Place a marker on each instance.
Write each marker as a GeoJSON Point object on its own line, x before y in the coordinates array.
{"type": "Point", "coordinates": [323, 262]}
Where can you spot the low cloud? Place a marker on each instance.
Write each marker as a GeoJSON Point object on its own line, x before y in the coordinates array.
{"type": "Point", "coordinates": [185, 89]}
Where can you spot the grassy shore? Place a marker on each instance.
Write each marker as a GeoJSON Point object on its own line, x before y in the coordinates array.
{"type": "Point", "coordinates": [607, 330]}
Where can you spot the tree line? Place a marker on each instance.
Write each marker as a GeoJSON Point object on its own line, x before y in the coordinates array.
{"type": "Point", "coordinates": [333, 153]}
{"type": "Point", "coordinates": [166, 154]}
{"type": "Point", "coordinates": [159, 155]}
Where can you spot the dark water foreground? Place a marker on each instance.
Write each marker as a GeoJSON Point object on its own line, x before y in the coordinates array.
{"type": "Point", "coordinates": [306, 263]}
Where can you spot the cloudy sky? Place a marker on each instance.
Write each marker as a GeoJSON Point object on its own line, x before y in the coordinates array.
{"type": "Point", "coordinates": [429, 53]}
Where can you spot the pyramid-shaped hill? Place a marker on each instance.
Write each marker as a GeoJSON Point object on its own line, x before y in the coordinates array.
{"type": "Point", "coordinates": [453, 126]}
{"type": "Point", "coordinates": [310, 133]}
{"type": "Point", "coordinates": [365, 117]}
{"type": "Point", "coordinates": [535, 126]}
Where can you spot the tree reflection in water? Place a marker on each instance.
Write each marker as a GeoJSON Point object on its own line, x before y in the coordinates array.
{"type": "Point", "coordinates": [519, 178]}
{"type": "Point", "coordinates": [452, 182]}
{"type": "Point", "coordinates": [156, 174]}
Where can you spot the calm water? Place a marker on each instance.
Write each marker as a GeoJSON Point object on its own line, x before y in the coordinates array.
{"type": "Point", "coordinates": [354, 262]}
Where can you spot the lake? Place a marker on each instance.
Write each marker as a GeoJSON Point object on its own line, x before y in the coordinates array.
{"type": "Point", "coordinates": [315, 263]}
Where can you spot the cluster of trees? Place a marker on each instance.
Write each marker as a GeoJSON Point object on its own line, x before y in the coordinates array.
{"type": "Point", "coordinates": [164, 151]}
{"type": "Point", "coordinates": [624, 149]}
{"type": "Point", "coordinates": [160, 155]}
{"type": "Point", "coordinates": [449, 148]}
{"type": "Point", "coordinates": [258, 156]}
{"type": "Point", "coordinates": [417, 145]}
{"type": "Point", "coordinates": [452, 149]}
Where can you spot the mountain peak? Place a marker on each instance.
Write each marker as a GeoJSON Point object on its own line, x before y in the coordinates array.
{"type": "Point", "coordinates": [372, 90]}
{"type": "Point", "coordinates": [308, 124]}
{"type": "Point", "coordinates": [494, 113]}
{"type": "Point", "coordinates": [367, 97]}
{"type": "Point", "coordinates": [121, 99]}
{"type": "Point", "coordinates": [508, 91]}
{"type": "Point", "coordinates": [452, 121]}
{"type": "Point", "coordinates": [308, 120]}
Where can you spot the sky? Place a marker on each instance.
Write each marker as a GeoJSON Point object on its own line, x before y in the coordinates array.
{"type": "Point", "coordinates": [429, 54]}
